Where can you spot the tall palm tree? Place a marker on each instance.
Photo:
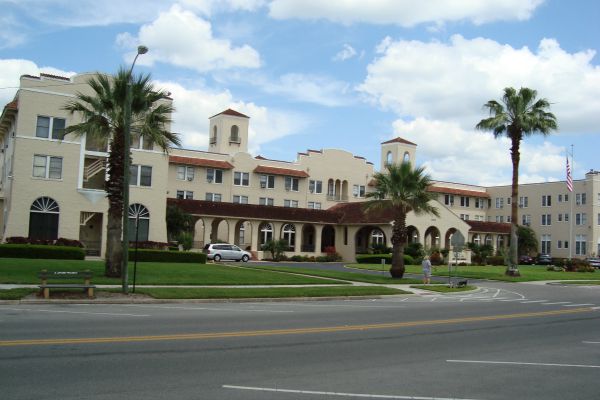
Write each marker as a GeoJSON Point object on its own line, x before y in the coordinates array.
{"type": "Point", "coordinates": [102, 115]}
{"type": "Point", "coordinates": [519, 115]}
{"type": "Point", "coordinates": [401, 190]}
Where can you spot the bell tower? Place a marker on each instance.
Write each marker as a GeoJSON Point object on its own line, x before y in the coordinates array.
{"type": "Point", "coordinates": [396, 151]}
{"type": "Point", "coordinates": [228, 132]}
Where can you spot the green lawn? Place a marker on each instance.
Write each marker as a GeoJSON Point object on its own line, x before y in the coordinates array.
{"type": "Point", "coordinates": [238, 293]}
{"type": "Point", "coordinates": [348, 276]}
{"type": "Point", "coordinates": [444, 288]}
{"type": "Point", "coordinates": [528, 272]}
{"type": "Point", "coordinates": [16, 294]}
{"type": "Point", "coordinates": [24, 271]}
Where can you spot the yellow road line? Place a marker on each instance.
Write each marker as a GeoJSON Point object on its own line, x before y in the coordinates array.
{"type": "Point", "coordinates": [296, 331]}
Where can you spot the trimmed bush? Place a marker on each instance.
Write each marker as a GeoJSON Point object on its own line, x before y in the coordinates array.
{"type": "Point", "coordinates": [150, 245]}
{"type": "Point", "coordinates": [495, 260]}
{"type": "Point", "coordinates": [376, 259]}
{"type": "Point", "coordinates": [41, 251]}
{"type": "Point", "coordinates": [167, 256]}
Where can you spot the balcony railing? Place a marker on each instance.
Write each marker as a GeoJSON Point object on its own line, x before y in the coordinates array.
{"type": "Point", "coordinates": [337, 197]}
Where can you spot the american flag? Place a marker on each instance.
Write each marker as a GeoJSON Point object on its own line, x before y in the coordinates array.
{"type": "Point", "coordinates": [569, 177]}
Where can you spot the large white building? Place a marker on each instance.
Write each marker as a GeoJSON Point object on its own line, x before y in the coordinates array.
{"type": "Point", "coordinates": [54, 188]}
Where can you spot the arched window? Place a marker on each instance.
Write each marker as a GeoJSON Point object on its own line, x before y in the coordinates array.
{"type": "Point", "coordinates": [406, 158]}
{"type": "Point", "coordinates": [43, 219]}
{"type": "Point", "coordinates": [500, 242]}
{"type": "Point", "coordinates": [289, 234]}
{"type": "Point", "coordinates": [139, 222]}
{"type": "Point", "coordinates": [477, 239]}
{"type": "Point", "coordinates": [213, 138]}
{"type": "Point", "coordinates": [377, 237]}
{"type": "Point", "coordinates": [266, 233]}
{"type": "Point", "coordinates": [235, 136]}
{"type": "Point", "coordinates": [488, 240]}
{"type": "Point", "coordinates": [388, 158]}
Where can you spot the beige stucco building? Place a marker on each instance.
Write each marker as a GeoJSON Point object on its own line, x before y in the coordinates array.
{"type": "Point", "coordinates": [54, 188]}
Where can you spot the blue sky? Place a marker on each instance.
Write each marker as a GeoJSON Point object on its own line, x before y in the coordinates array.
{"type": "Point", "coordinates": [339, 74]}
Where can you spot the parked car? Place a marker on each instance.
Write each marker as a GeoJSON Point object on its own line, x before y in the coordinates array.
{"type": "Point", "coordinates": [544, 259]}
{"type": "Point", "coordinates": [525, 259]}
{"type": "Point", "coordinates": [593, 261]}
{"type": "Point", "coordinates": [226, 251]}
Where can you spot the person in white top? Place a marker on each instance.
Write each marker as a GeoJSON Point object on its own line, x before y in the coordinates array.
{"type": "Point", "coordinates": [426, 264]}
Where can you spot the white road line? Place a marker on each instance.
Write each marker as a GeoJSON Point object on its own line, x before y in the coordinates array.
{"type": "Point", "coordinates": [578, 305]}
{"type": "Point", "coordinates": [512, 300]}
{"type": "Point", "coordinates": [210, 308]}
{"type": "Point", "coordinates": [340, 394]}
{"type": "Point", "coordinates": [524, 363]}
{"type": "Point", "coordinates": [556, 302]}
{"type": "Point", "coordinates": [533, 301]}
{"type": "Point", "coordinates": [77, 312]}
{"type": "Point", "coordinates": [588, 342]}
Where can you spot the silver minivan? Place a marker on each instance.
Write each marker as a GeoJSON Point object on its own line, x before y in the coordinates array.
{"type": "Point", "coordinates": [226, 251]}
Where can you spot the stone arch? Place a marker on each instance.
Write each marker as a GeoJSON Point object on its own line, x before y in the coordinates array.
{"type": "Point", "coordinates": [243, 234]}
{"type": "Point", "coordinates": [412, 234]}
{"type": "Point", "coordinates": [199, 230]}
{"type": "Point", "coordinates": [235, 134]}
{"type": "Point", "coordinates": [367, 236]}
{"type": "Point", "coordinates": [327, 237]}
{"type": "Point", "coordinates": [448, 237]}
{"type": "Point", "coordinates": [308, 238]}
{"type": "Point", "coordinates": [406, 157]}
{"type": "Point", "coordinates": [432, 237]}
{"type": "Point", "coordinates": [488, 240]}
{"type": "Point", "coordinates": [220, 231]}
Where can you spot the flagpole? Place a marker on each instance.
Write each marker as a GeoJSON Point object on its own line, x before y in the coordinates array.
{"type": "Point", "coordinates": [572, 242]}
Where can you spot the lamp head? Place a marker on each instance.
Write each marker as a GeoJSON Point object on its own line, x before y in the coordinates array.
{"type": "Point", "coordinates": [142, 49]}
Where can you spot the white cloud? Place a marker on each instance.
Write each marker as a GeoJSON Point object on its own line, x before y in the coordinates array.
{"type": "Point", "coordinates": [315, 89]}
{"type": "Point", "coordinates": [195, 106]}
{"type": "Point", "coordinates": [451, 81]}
{"type": "Point", "coordinates": [346, 53]}
{"type": "Point", "coordinates": [181, 38]}
{"type": "Point", "coordinates": [405, 13]}
{"type": "Point", "coordinates": [452, 153]}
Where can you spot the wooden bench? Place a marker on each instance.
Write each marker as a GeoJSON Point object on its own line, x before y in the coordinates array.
{"type": "Point", "coordinates": [86, 276]}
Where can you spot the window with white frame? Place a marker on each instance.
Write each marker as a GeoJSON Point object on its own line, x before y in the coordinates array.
{"type": "Point", "coordinates": [185, 194]}
{"type": "Point", "coordinates": [566, 197]}
{"type": "Point", "coordinates": [141, 142]}
{"type": "Point", "coordinates": [289, 234]}
{"type": "Point", "coordinates": [213, 197]}
{"type": "Point", "coordinates": [267, 181]}
{"type": "Point", "coordinates": [580, 245]}
{"type": "Point", "coordinates": [291, 183]}
{"type": "Point", "coordinates": [449, 199]}
{"type": "Point", "coordinates": [47, 167]}
{"type": "Point", "coordinates": [315, 205]}
{"type": "Point", "coordinates": [499, 218]}
{"type": "Point", "coordinates": [266, 201]}
{"type": "Point", "coordinates": [560, 199]}
{"type": "Point", "coordinates": [377, 237]}
{"type": "Point", "coordinates": [546, 241]}
{"type": "Point", "coordinates": [508, 200]}
{"type": "Point", "coordinates": [523, 201]}
{"type": "Point", "coordinates": [315, 186]}
{"type": "Point", "coordinates": [185, 173]}
{"type": "Point", "coordinates": [478, 203]}
{"type": "Point", "coordinates": [358, 191]}
{"type": "Point", "coordinates": [240, 199]}
{"type": "Point", "coordinates": [241, 178]}
{"type": "Point", "coordinates": [566, 217]}
{"type": "Point", "coordinates": [560, 217]}
{"type": "Point", "coordinates": [526, 219]}
{"type": "Point", "coordinates": [50, 127]}
{"type": "Point", "coordinates": [266, 233]}
{"type": "Point", "coordinates": [499, 202]}
{"type": "Point", "coordinates": [290, 203]}
{"type": "Point", "coordinates": [559, 244]}
{"type": "Point", "coordinates": [546, 200]}
{"type": "Point", "coordinates": [580, 219]}
{"type": "Point", "coordinates": [580, 199]}
{"type": "Point", "coordinates": [214, 175]}
{"type": "Point", "coordinates": [508, 218]}
{"type": "Point", "coordinates": [140, 175]}
{"type": "Point", "coordinates": [464, 217]}
{"type": "Point", "coordinates": [566, 244]}
{"type": "Point", "coordinates": [546, 219]}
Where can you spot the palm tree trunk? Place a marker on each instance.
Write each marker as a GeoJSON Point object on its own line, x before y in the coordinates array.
{"type": "Point", "coordinates": [398, 241]}
{"type": "Point", "coordinates": [513, 266]}
{"type": "Point", "coordinates": [114, 190]}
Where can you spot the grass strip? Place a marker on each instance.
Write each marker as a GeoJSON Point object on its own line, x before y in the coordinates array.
{"type": "Point", "coordinates": [239, 293]}
{"type": "Point", "coordinates": [17, 293]}
{"type": "Point", "coordinates": [443, 288]}
{"type": "Point", "coordinates": [348, 276]}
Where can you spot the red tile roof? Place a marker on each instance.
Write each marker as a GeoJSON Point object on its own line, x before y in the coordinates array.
{"type": "Point", "coordinates": [234, 113]}
{"type": "Point", "coordinates": [201, 162]}
{"type": "Point", "coordinates": [256, 212]}
{"type": "Point", "coordinates": [263, 169]}
{"type": "Point", "coordinates": [489, 227]}
{"type": "Point", "coordinates": [460, 192]}
{"type": "Point", "coordinates": [13, 105]}
{"type": "Point", "coordinates": [399, 140]}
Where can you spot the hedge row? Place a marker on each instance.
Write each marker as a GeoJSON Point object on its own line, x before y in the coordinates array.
{"type": "Point", "coordinates": [41, 251]}
{"type": "Point", "coordinates": [167, 256]}
{"type": "Point", "coordinates": [376, 259]}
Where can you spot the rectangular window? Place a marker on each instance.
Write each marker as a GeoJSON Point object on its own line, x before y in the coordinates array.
{"type": "Point", "coordinates": [499, 202]}
{"type": "Point", "coordinates": [546, 200]}
{"type": "Point", "coordinates": [499, 218]}
{"type": "Point", "coordinates": [566, 200]}
{"type": "Point", "coordinates": [266, 201]}
{"type": "Point", "coordinates": [580, 199]}
{"type": "Point", "coordinates": [47, 167]}
{"type": "Point", "coordinates": [580, 245]}
{"type": "Point", "coordinates": [464, 201]}
{"type": "Point", "coordinates": [213, 197]}
{"type": "Point", "coordinates": [45, 125]}
{"type": "Point", "coordinates": [546, 219]}
{"type": "Point", "coordinates": [559, 244]}
{"type": "Point", "coordinates": [508, 200]}
{"type": "Point", "coordinates": [546, 242]}
{"type": "Point", "coordinates": [566, 217]}
{"type": "Point", "coordinates": [241, 179]}
{"type": "Point", "coordinates": [508, 218]}
{"type": "Point", "coordinates": [598, 218]}
{"type": "Point", "coordinates": [185, 194]}
{"type": "Point", "coordinates": [291, 183]}
{"type": "Point", "coordinates": [580, 219]}
{"type": "Point", "coordinates": [449, 199]}
{"type": "Point", "coordinates": [315, 187]}
{"type": "Point", "coordinates": [560, 200]}
{"type": "Point", "coordinates": [566, 244]}
{"type": "Point", "coordinates": [523, 201]}
{"type": "Point", "coordinates": [358, 190]}
{"type": "Point", "coordinates": [290, 203]}
{"type": "Point", "coordinates": [267, 181]}
{"type": "Point", "coordinates": [240, 199]}
{"type": "Point", "coordinates": [214, 175]}
{"type": "Point", "coordinates": [185, 173]}
{"type": "Point", "coordinates": [315, 205]}
{"type": "Point", "coordinates": [464, 217]}
{"type": "Point", "coordinates": [140, 175]}
{"type": "Point", "coordinates": [560, 217]}
{"type": "Point", "coordinates": [478, 203]}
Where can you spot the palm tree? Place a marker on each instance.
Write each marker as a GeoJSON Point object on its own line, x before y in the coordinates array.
{"type": "Point", "coordinates": [102, 115]}
{"type": "Point", "coordinates": [519, 115]}
{"type": "Point", "coordinates": [401, 190]}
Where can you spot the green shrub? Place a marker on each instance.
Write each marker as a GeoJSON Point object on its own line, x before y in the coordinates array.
{"type": "Point", "coordinates": [415, 250]}
{"type": "Point", "coordinates": [376, 259]}
{"type": "Point", "coordinates": [186, 240]}
{"type": "Point", "coordinates": [321, 259]}
{"type": "Point", "coordinates": [167, 256]}
{"type": "Point", "coordinates": [495, 260]}
{"type": "Point", "coordinates": [297, 258]}
{"type": "Point", "coordinates": [41, 251]}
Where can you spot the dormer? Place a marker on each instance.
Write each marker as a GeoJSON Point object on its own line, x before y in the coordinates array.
{"type": "Point", "coordinates": [228, 132]}
{"type": "Point", "coordinates": [396, 151]}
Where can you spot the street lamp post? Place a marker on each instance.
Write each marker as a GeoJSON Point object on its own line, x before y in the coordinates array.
{"type": "Point", "coordinates": [126, 172]}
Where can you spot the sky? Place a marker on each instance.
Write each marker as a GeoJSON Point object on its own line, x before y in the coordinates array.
{"type": "Point", "coordinates": [349, 74]}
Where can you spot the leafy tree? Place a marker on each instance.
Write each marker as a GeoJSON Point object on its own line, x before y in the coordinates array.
{"type": "Point", "coordinates": [102, 115]}
{"type": "Point", "coordinates": [518, 115]}
{"type": "Point", "coordinates": [527, 240]}
{"type": "Point", "coordinates": [178, 221]}
{"type": "Point", "coordinates": [401, 190]}
{"type": "Point", "coordinates": [415, 250]}
{"type": "Point", "coordinates": [480, 252]}
{"type": "Point", "coordinates": [276, 247]}
{"type": "Point", "coordinates": [186, 240]}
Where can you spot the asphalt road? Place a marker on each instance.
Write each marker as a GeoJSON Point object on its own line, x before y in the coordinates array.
{"type": "Point", "coordinates": [508, 341]}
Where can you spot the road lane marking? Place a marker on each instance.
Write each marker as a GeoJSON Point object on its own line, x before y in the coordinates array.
{"type": "Point", "coordinates": [77, 312]}
{"type": "Point", "coordinates": [556, 302]}
{"type": "Point", "coordinates": [339, 394]}
{"type": "Point", "coordinates": [523, 363]}
{"type": "Point", "coordinates": [291, 331]}
{"type": "Point", "coordinates": [533, 301]}
{"type": "Point", "coordinates": [578, 305]}
{"type": "Point", "coordinates": [191, 308]}
{"type": "Point", "coordinates": [588, 342]}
